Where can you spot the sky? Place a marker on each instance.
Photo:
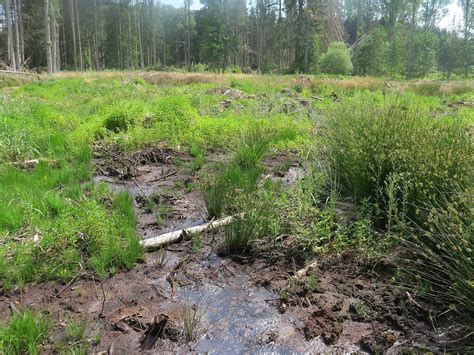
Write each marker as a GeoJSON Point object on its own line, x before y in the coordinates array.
{"type": "Point", "coordinates": [454, 12]}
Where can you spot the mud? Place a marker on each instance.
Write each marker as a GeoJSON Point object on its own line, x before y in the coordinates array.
{"type": "Point", "coordinates": [234, 304]}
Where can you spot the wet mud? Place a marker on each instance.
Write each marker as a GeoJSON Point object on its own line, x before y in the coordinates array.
{"type": "Point", "coordinates": [191, 296]}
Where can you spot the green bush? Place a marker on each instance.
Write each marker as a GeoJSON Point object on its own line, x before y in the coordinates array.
{"type": "Point", "coordinates": [336, 60]}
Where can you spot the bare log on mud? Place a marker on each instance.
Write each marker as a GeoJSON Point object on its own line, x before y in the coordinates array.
{"type": "Point", "coordinates": [171, 237]}
{"type": "Point", "coordinates": [304, 271]}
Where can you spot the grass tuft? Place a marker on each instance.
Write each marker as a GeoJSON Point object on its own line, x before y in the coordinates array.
{"type": "Point", "coordinates": [25, 333]}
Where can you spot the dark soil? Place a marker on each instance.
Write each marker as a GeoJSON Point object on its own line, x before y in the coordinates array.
{"type": "Point", "coordinates": [239, 303]}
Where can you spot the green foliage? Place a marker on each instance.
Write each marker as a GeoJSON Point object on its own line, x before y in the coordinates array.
{"type": "Point", "coordinates": [427, 88]}
{"type": "Point", "coordinates": [123, 115]}
{"type": "Point", "coordinates": [336, 60]}
{"type": "Point", "coordinates": [450, 53]}
{"type": "Point", "coordinates": [371, 147]}
{"type": "Point", "coordinates": [81, 235]}
{"type": "Point", "coordinates": [424, 53]}
{"type": "Point", "coordinates": [372, 53]}
{"type": "Point", "coordinates": [25, 333]}
{"type": "Point", "coordinates": [238, 235]}
{"type": "Point", "coordinates": [220, 192]}
{"type": "Point", "coordinates": [74, 341]}
{"type": "Point", "coordinates": [197, 151]}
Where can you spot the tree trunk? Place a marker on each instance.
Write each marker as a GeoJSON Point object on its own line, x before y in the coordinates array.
{"type": "Point", "coordinates": [81, 63]}
{"type": "Point", "coordinates": [11, 50]}
{"type": "Point", "coordinates": [22, 38]}
{"type": "Point", "coordinates": [64, 59]}
{"type": "Point", "coordinates": [140, 42]}
{"type": "Point", "coordinates": [47, 28]}
{"type": "Point", "coordinates": [19, 60]}
{"type": "Point", "coordinates": [73, 29]}
{"type": "Point", "coordinates": [52, 23]}
{"type": "Point", "coordinates": [410, 39]}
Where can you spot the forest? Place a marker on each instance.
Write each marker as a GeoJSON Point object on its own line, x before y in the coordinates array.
{"type": "Point", "coordinates": [236, 177]}
{"type": "Point", "coordinates": [396, 38]}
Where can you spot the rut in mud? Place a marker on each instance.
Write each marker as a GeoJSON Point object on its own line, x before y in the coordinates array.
{"type": "Point", "coordinates": [193, 297]}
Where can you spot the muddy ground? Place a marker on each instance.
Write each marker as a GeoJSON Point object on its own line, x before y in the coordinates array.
{"type": "Point", "coordinates": [253, 303]}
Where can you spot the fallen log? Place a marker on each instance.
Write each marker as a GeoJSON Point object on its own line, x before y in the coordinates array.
{"type": "Point", "coordinates": [304, 271]}
{"type": "Point", "coordinates": [33, 163]}
{"type": "Point", "coordinates": [16, 72]}
{"type": "Point", "coordinates": [171, 237]}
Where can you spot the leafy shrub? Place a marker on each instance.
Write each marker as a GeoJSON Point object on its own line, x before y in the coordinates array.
{"type": "Point", "coordinates": [371, 55]}
{"type": "Point", "coordinates": [336, 60]}
{"type": "Point", "coordinates": [24, 333]}
{"type": "Point", "coordinates": [235, 69]}
{"type": "Point", "coordinates": [395, 148]}
{"type": "Point", "coordinates": [200, 68]}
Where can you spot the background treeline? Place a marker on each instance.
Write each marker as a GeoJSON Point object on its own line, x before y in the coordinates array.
{"type": "Point", "coordinates": [395, 38]}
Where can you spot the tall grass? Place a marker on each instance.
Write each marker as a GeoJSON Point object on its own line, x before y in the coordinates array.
{"type": "Point", "coordinates": [370, 148]}
{"type": "Point", "coordinates": [442, 256]}
{"type": "Point", "coordinates": [240, 174]}
{"type": "Point", "coordinates": [251, 147]}
{"type": "Point", "coordinates": [24, 334]}
{"type": "Point", "coordinates": [416, 171]}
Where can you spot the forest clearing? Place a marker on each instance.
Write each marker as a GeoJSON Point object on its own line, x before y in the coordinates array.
{"type": "Point", "coordinates": [336, 214]}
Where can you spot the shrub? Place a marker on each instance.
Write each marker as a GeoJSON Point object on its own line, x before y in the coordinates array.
{"type": "Point", "coordinates": [24, 334]}
{"type": "Point", "coordinates": [172, 114]}
{"type": "Point", "coordinates": [336, 60]}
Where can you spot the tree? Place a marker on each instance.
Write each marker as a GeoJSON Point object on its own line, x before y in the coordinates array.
{"type": "Point", "coordinates": [468, 19]}
{"type": "Point", "coordinates": [424, 53]}
{"type": "Point", "coordinates": [336, 60]}
{"type": "Point", "coordinates": [450, 53]}
{"type": "Point", "coordinates": [371, 55]}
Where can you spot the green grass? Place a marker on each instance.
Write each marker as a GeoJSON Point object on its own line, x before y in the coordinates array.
{"type": "Point", "coordinates": [25, 333]}
{"type": "Point", "coordinates": [74, 340]}
{"type": "Point", "coordinates": [395, 153]}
